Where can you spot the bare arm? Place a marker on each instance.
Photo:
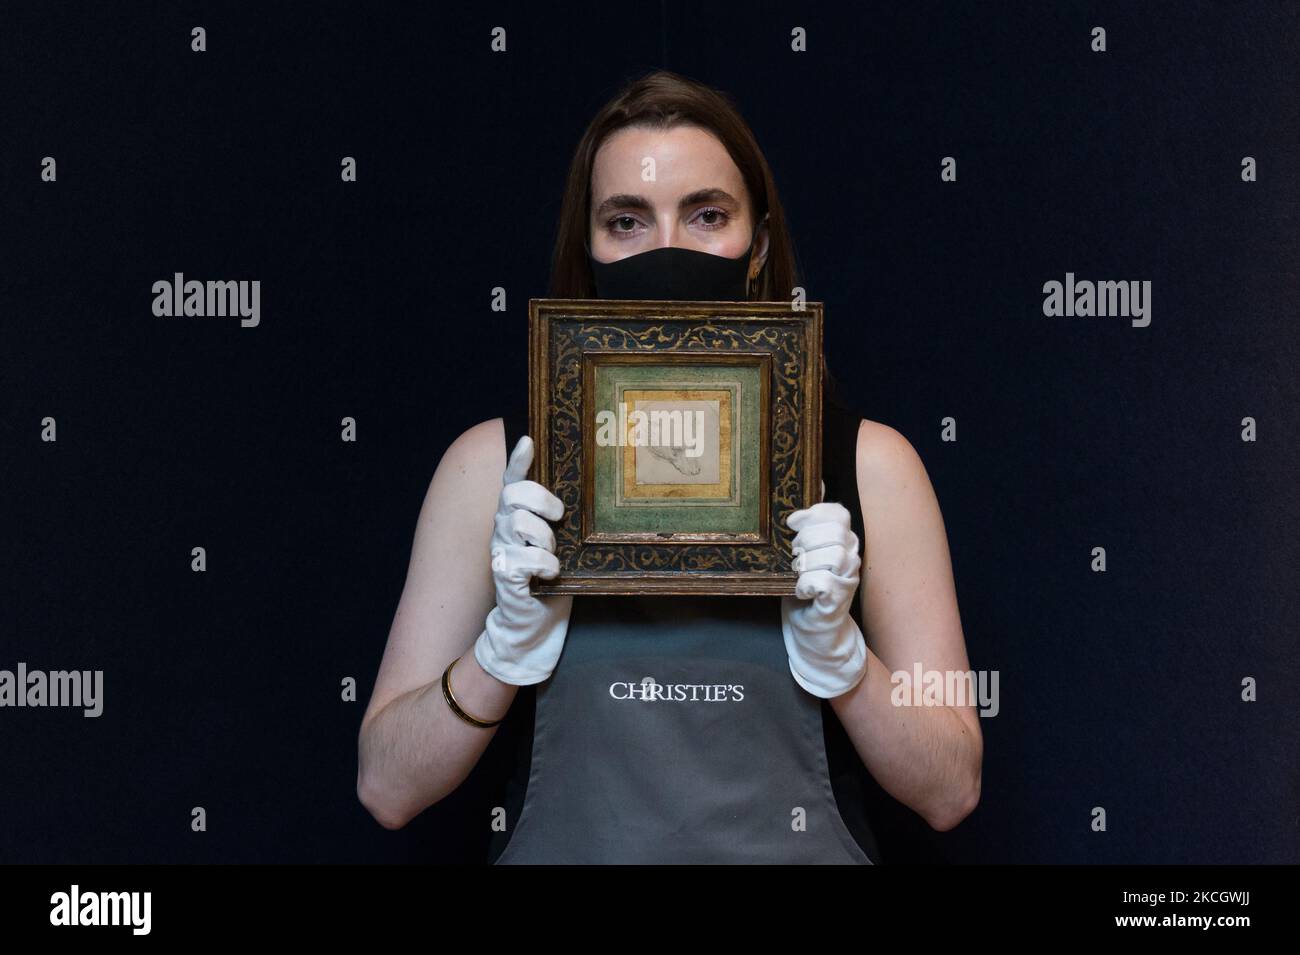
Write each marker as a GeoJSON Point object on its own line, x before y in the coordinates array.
{"type": "Point", "coordinates": [412, 749]}
{"type": "Point", "coordinates": [927, 757]}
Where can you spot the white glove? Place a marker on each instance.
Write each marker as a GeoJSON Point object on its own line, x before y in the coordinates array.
{"type": "Point", "coordinates": [524, 635]}
{"type": "Point", "coordinates": [828, 656]}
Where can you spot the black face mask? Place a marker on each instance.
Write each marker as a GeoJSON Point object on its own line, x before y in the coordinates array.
{"type": "Point", "coordinates": [673, 273]}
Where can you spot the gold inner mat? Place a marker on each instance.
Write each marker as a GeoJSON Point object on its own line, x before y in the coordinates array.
{"type": "Point", "coordinates": [721, 489]}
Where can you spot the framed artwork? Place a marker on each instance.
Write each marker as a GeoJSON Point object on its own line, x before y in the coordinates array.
{"type": "Point", "coordinates": [679, 436]}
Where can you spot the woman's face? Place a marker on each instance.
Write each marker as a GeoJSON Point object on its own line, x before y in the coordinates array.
{"type": "Point", "coordinates": [652, 188]}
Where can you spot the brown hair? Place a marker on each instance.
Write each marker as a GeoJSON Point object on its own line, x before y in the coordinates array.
{"type": "Point", "coordinates": [662, 100]}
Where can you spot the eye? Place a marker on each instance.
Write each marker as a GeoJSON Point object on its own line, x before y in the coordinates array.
{"type": "Point", "coordinates": [712, 217]}
{"type": "Point", "coordinates": [621, 225]}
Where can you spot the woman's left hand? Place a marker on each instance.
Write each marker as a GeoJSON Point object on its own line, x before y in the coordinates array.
{"type": "Point", "coordinates": [828, 655]}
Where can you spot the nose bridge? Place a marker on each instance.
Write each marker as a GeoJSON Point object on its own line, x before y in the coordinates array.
{"type": "Point", "coordinates": [666, 233]}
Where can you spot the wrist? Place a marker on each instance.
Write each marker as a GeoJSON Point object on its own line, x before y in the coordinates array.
{"type": "Point", "coordinates": [473, 694]}
{"type": "Point", "coordinates": [504, 662]}
{"type": "Point", "coordinates": [834, 672]}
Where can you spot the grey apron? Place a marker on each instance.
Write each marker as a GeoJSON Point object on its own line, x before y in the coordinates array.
{"type": "Point", "coordinates": [671, 731]}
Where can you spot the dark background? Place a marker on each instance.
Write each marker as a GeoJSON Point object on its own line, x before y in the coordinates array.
{"type": "Point", "coordinates": [222, 689]}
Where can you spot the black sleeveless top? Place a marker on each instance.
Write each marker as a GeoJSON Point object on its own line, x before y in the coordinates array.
{"type": "Point", "coordinates": [507, 761]}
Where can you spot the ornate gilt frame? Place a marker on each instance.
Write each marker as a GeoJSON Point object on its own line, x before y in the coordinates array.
{"type": "Point", "coordinates": [567, 337]}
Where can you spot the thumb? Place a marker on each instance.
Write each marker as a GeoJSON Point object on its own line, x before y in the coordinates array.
{"type": "Point", "coordinates": [521, 459]}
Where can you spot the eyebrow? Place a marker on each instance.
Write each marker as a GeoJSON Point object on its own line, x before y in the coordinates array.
{"type": "Point", "coordinates": [626, 201]}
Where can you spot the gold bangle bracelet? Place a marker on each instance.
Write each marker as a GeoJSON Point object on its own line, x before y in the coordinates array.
{"type": "Point", "coordinates": [455, 707]}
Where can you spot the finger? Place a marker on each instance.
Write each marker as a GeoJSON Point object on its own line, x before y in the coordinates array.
{"type": "Point", "coordinates": [836, 559]}
{"type": "Point", "coordinates": [524, 527]}
{"type": "Point", "coordinates": [523, 562]}
{"type": "Point", "coordinates": [820, 513]}
{"type": "Point", "coordinates": [533, 497]}
{"type": "Point", "coordinates": [813, 584]}
{"type": "Point", "coordinates": [517, 563]}
{"type": "Point", "coordinates": [822, 496]}
{"type": "Point", "coordinates": [822, 535]}
{"type": "Point", "coordinates": [823, 586]}
{"type": "Point", "coordinates": [549, 568]}
{"type": "Point", "coordinates": [844, 559]}
{"type": "Point", "coordinates": [521, 459]}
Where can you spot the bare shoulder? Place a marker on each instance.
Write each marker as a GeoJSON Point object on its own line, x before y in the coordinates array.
{"type": "Point", "coordinates": [477, 455]}
{"type": "Point", "coordinates": [887, 460]}
{"type": "Point", "coordinates": [479, 447]}
{"type": "Point", "coordinates": [467, 479]}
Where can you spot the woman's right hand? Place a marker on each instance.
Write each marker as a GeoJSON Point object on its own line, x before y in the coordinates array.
{"type": "Point", "coordinates": [524, 635]}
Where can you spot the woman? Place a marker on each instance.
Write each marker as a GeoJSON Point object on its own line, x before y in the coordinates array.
{"type": "Point", "coordinates": [666, 728]}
